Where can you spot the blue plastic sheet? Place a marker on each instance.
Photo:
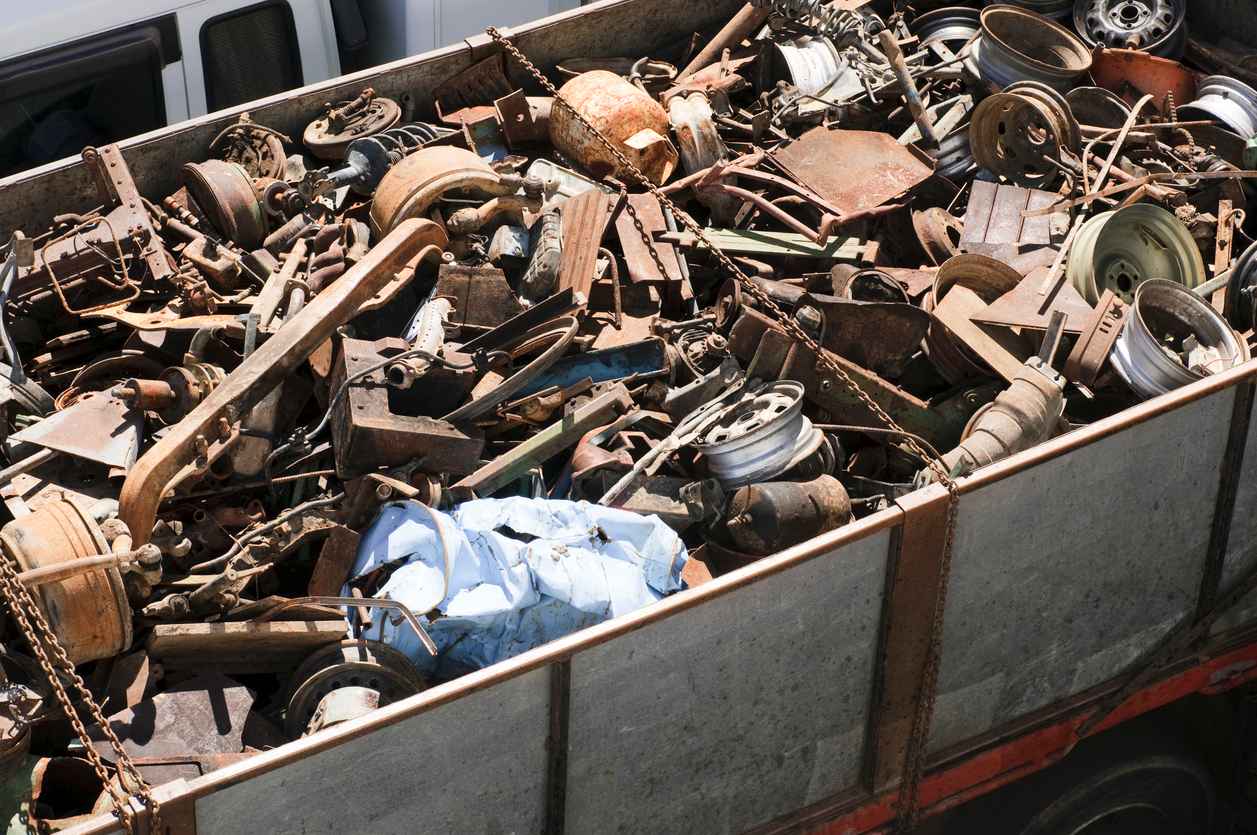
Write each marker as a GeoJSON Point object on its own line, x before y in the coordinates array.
{"type": "Point", "coordinates": [507, 575]}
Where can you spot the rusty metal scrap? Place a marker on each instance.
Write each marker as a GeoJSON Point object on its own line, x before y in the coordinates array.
{"type": "Point", "coordinates": [881, 239]}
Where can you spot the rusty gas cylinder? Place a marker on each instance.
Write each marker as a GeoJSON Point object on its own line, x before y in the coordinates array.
{"type": "Point", "coordinates": [763, 519]}
{"type": "Point", "coordinates": [89, 611]}
{"type": "Point", "coordinates": [633, 121]}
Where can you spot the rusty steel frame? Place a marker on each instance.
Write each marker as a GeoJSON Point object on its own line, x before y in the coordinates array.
{"type": "Point", "coordinates": [995, 759]}
{"type": "Point", "coordinates": [266, 368]}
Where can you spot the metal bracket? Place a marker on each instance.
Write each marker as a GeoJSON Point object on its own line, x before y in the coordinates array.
{"type": "Point", "coordinates": [907, 627]}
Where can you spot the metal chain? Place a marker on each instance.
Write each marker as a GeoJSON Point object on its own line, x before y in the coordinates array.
{"type": "Point", "coordinates": [41, 638]}
{"type": "Point", "coordinates": [915, 759]}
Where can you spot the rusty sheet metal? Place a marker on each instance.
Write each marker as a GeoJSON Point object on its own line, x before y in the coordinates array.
{"type": "Point", "coordinates": [880, 336]}
{"type": "Point", "coordinates": [202, 717]}
{"type": "Point", "coordinates": [642, 266]}
{"type": "Point", "coordinates": [367, 434]}
{"type": "Point", "coordinates": [994, 224]}
{"type": "Point", "coordinates": [481, 296]}
{"type": "Point", "coordinates": [854, 170]}
{"type": "Point", "coordinates": [585, 219]}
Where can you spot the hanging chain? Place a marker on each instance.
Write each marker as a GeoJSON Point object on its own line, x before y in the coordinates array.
{"type": "Point", "coordinates": [42, 639]}
{"type": "Point", "coordinates": [915, 759]}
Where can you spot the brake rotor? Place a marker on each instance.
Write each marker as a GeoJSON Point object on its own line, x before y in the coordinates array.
{"type": "Point", "coordinates": [1120, 250]}
{"type": "Point", "coordinates": [349, 663]}
{"type": "Point", "coordinates": [1019, 134]}
{"type": "Point", "coordinates": [329, 136]}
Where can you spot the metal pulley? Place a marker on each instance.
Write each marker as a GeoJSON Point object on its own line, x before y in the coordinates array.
{"type": "Point", "coordinates": [329, 136]}
{"type": "Point", "coordinates": [350, 663]}
{"type": "Point", "coordinates": [224, 191]}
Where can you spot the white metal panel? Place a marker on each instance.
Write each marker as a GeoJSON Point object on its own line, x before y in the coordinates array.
{"type": "Point", "coordinates": [1064, 573]}
{"type": "Point", "coordinates": [474, 765]}
{"type": "Point", "coordinates": [315, 42]}
{"type": "Point", "coordinates": [737, 711]}
{"type": "Point", "coordinates": [398, 28]}
{"type": "Point", "coordinates": [51, 22]}
{"type": "Point", "coordinates": [457, 19]}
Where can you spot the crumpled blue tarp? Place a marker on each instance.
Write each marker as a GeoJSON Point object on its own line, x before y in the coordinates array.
{"type": "Point", "coordinates": [508, 575]}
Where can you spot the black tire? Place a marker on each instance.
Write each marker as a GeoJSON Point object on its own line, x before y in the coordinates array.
{"type": "Point", "coordinates": [1157, 794]}
{"type": "Point", "coordinates": [1128, 788]}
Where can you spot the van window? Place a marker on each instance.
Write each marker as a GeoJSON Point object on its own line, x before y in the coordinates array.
{"type": "Point", "coordinates": [249, 54]}
{"type": "Point", "coordinates": [55, 102]}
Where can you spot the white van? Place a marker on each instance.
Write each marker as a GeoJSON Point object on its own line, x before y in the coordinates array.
{"type": "Point", "coordinates": [87, 72]}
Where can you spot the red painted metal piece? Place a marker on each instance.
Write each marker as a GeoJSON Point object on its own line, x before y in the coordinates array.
{"type": "Point", "coordinates": [1021, 756]}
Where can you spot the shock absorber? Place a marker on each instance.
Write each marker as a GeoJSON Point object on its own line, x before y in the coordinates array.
{"type": "Point", "coordinates": [367, 160]}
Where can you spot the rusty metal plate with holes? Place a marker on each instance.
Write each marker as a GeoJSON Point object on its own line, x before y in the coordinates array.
{"type": "Point", "coordinates": [1099, 335]}
{"type": "Point", "coordinates": [994, 224]}
{"type": "Point", "coordinates": [909, 621]}
{"type": "Point", "coordinates": [854, 169]}
{"type": "Point", "coordinates": [585, 219]}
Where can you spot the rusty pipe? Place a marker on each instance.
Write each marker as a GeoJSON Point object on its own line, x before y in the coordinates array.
{"type": "Point", "coordinates": [743, 24]}
{"type": "Point", "coordinates": [266, 368]}
{"type": "Point", "coordinates": [920, 115]}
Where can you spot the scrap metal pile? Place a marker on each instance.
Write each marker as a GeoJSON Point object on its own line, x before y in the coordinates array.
{"type": "Point", "coordinates": [352, 413]}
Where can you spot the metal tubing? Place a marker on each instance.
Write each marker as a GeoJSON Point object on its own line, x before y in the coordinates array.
{"type": "Point", "coordinates": [743, 24]}
{"type": "Point", "coordinates": [266, 368]}
{"type": "Point", "coordinates": [909, 87]}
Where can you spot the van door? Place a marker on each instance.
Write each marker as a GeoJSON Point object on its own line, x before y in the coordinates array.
{"type": "Point", "coordinates": [237, 51]}
{"type": "Point", "coordinates": [91, 91]}
{"type": "Point", "coordinates": [457, 19]}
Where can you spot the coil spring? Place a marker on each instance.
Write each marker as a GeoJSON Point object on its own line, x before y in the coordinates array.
{"type": "Point", "coordinates": [834, 23]}
{"type": "Point", "coordinates": [402, 140]}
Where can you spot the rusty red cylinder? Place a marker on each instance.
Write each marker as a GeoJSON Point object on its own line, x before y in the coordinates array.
{"type": "Point", "coordinates": [634, 123]}
{"type": "Point", "coordinates": [762, 519]}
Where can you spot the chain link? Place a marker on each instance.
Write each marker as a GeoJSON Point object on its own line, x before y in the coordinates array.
{"type": "Point", "coordinates": [42, 639]}
{"type": "Point", "coordinates": [908, 811]}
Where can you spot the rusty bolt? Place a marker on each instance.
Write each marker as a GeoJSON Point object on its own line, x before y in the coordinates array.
{"type": "Point", "coordinates": [383, 492]}
{"type": "Point", "coordinates": [809, 318]}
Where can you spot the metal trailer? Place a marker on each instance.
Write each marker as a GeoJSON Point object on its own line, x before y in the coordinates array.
{"type": "Point", "coordinates": [778, 698]}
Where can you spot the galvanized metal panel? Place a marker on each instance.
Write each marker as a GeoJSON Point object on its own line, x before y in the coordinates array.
{"type": "Point", "coordinates": [473, 765]}
{"type": "Point", "coordinates": [732, 713]}
{"type": "Point", "coordinates": [1064, 573]}
{"type": "Point", "coordinates": [1242, 547]}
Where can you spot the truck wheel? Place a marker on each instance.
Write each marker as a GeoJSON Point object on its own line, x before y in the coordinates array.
{"type": "Point", "coordinates": [1102, 795]}
{"type": "Point", "coordinates": [1160, 793]}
